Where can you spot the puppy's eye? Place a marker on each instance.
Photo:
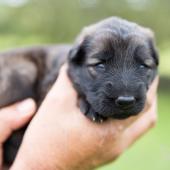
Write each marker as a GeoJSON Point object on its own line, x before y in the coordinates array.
{"type": "Point", "coordinates": [148, 64]}
{"type": "Point", "coordinates": [99, 66]}
{"type": "Point", "coordinates": [142, 66]}
{"type": "Point", "coordinates": [96, 68]}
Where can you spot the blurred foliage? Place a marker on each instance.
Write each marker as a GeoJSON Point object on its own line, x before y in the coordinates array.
{"type": "Point", "coordinates": [61, 20]}
{"type": "Point", "coordinates": [57, 21]}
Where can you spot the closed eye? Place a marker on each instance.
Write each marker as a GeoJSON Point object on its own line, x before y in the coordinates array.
{"type": "Point", "coordinates": [148, 63]}
{"type": "Point", "coordinates": [98, 66]}
{"type": "Point", "coordinates": [142, 66]}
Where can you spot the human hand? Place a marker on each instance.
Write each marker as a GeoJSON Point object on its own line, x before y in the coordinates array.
{"type": "Point", "coordinates": [13, 118]}
{"type": "Point", "coordinates": [60, 137]}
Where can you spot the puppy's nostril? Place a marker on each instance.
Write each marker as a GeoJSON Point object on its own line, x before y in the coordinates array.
{"type": "Point", "coordinates": [125, 101]}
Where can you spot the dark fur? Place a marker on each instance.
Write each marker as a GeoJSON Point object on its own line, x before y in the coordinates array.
{"type": "Point", "coordinates": [109, 59]}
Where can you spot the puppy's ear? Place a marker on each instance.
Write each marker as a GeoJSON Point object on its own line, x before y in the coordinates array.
{"type": "Point", "coordinates": [151, 41]}
{"type": "Point", "coordinates": [154, 51]}
{"type": "Point", "coordinates": [78, 52]}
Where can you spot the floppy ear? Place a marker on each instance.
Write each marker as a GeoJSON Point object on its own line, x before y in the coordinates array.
{"type": "Point", "coordinates": [78, 52]}
{"type": "Point", "coordinates": [152, 46]}
{"type": "Point", "coordinates": [154, 51]}
{"type": "Point", "coordinates": [151, 41]}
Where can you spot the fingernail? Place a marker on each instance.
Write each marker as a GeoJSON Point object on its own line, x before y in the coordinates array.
{"type": "Point", "coordinates": [26, 107]}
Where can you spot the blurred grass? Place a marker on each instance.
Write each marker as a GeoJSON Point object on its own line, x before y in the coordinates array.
{"type": "Point", "coordinates": [165, 60]}
{"type": "Point", "coordinates": [11, 41]}
{"type": "Point", "coordinates": [153, 150]}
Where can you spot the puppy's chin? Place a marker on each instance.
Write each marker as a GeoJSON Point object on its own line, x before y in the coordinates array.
{"type": "Point", "coordinates": [117, 113]}
{"type": "Point", "coordinates": [126, 114]}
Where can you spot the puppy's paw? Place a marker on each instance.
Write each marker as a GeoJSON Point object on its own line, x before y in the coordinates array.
{"type": "Point", "coordinates": [95, 117]}
{"type": "Point", "coordinates": [89, 112]}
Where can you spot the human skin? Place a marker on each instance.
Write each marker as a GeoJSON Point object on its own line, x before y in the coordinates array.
{"type": "Point", "coordinates": [13, 118]}
{"type": "Point", "coordinates": [60, 137]}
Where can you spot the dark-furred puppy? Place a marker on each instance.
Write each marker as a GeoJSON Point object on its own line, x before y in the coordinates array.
{"type": "Point", "coordinates": [111, 65]}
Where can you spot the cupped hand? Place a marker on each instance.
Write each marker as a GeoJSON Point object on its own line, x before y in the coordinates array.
{"type": "Point", "coordinates": [60, 137]}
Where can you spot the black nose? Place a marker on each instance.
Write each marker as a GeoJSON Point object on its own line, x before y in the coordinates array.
{"type": "Point", "coordinates": [125, 101]}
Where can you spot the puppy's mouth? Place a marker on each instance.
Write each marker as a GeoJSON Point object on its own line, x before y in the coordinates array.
{"type": "Point", "coordinates": [122, 112]}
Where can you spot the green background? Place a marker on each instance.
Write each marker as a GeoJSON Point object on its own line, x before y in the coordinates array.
{"type": "Point", "coordinates": [29, 22]}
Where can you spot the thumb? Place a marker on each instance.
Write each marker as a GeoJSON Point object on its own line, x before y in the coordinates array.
{"type": "Point", "coordinates": [62, 88]}
{"type": "Point", "coordinates": [14, 117]}
{"type": "Point", "coordinates": [151, 94]}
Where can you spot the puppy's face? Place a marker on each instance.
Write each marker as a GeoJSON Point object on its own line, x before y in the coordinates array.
{"type": "Point", "coordinates": [113, 66]}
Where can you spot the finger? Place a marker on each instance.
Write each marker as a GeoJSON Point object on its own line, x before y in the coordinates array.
{"type": "Point", "coordinates": [63, 88]}
{"type": "Point", "coordinates": [153, 89]}
{"type": "Point", "coordinates": [14, 117]}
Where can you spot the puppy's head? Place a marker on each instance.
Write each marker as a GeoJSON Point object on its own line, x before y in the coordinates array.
{"type": "Point", "coordinates": [112, 65]}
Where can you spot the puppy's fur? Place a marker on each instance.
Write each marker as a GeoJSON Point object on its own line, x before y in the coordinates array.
{"type": "Point", "coordinates": [111, 60]}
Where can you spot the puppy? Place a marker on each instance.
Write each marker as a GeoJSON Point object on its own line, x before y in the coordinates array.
{"type": "Point", "coordinates": [111, 65]}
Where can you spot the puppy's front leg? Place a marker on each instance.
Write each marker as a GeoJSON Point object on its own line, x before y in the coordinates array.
{"type": "Point", "coordinates": [87, 110]}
